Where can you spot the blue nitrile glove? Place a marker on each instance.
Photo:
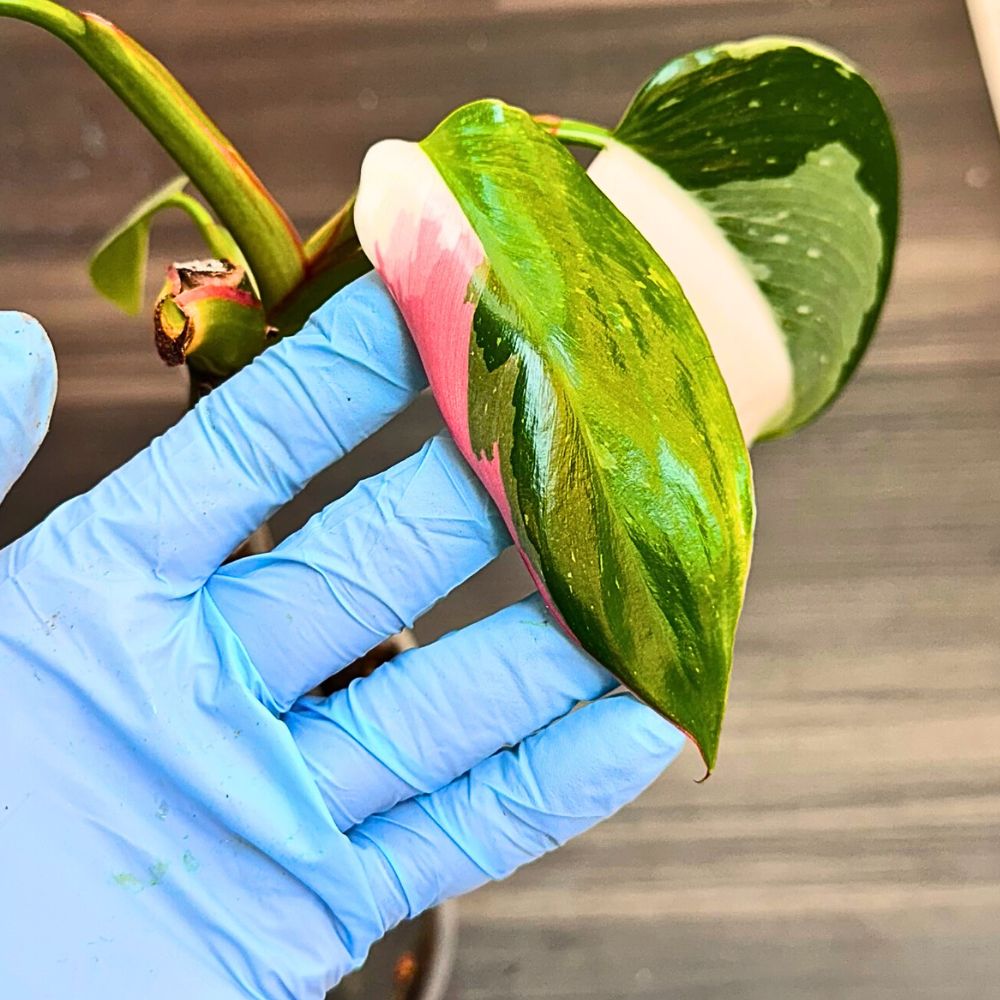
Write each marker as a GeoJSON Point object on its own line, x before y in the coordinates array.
{"type": "Point", "coordinates": [176, 819]}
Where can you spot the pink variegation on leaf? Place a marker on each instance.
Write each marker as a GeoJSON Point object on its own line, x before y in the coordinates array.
{"type": "Point", "coordinates": [415, 233]}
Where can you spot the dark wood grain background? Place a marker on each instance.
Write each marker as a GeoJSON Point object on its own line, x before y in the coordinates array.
{"type": "Point", "coordinates": [849, 844]}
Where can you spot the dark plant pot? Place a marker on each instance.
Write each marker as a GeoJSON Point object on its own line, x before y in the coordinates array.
{"type": "Point", "coordinates": [413, 961]}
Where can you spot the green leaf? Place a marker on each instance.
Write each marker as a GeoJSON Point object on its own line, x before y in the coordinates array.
{"type": "Point", "coordinates": [118, 266]}
{"type": "Point", "coordinates": [578, 383]}
{"type": "Point", "coordinates": [242, 203]}
{"type": "Point", "coordinates": [788, 151]}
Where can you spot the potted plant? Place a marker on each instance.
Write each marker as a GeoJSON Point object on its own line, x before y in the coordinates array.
{"type": "Point", "coordinates": [603, 345]}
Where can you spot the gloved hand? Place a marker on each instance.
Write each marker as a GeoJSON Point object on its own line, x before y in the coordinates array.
{"type": "Point", "coordinates": [176, 817]}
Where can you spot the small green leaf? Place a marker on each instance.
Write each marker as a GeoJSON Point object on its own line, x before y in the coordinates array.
{"type": "Point", "coordinates": [579, 385]}
{"type": "Point", "coordinates": [788, 151]}
{"type": "Point", "coordinates": [118, 266]}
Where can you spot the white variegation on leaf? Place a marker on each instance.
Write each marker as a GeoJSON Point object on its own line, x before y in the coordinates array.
{"type": "Point", "coordinates": [764, 172]}
{"type": "Point", "coordinates": [735, 315]}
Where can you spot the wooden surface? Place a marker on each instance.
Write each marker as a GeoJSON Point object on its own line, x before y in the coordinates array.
{"type": "Point", "coordinates": [849, 844]}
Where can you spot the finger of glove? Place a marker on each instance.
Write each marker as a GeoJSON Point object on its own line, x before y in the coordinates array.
{"type": "Point", "coordinates": [27, 393]}
{"type": "Point", "coordinates": [431, 714]}
{"type": "Point", "coordinates": [515, 806]}
{"type": "Point", "coordinates": [181, 506]}
{"type": "Point", "coordinates": [361, 570]}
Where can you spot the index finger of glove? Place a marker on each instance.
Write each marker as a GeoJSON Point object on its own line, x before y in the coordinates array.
{"type": "Point", "coordinates": [182, 505]}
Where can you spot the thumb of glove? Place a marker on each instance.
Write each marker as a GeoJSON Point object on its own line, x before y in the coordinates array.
{"type": "Point", "coordinates": [27, 392]}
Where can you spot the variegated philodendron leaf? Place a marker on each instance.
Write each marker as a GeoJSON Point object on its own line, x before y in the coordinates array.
{"type": "Point", "coordinates": [580, 387]}
{"type": "Point", "coordinates": [765, 174]}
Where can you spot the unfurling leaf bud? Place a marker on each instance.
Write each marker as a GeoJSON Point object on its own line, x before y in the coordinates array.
{"type": "Point", "coordinates": [209, 316]}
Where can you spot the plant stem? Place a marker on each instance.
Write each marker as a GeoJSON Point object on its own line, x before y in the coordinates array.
{"type": "Point", "coordinates": [575, 132]}
{"type": "Point", "coordinates": [334, 258]}
{"type": "Point", "coordinates": [245, 207]}
{"type": "Point", "coordinates": [202, 218]}
{"type": "Point", "coordinates": [325, 278]}
{"type": "Point", "coordinates": [336, 230]}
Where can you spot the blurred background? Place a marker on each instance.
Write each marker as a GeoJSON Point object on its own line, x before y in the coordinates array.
{"type": "Point", "coordinates": [849, 843]}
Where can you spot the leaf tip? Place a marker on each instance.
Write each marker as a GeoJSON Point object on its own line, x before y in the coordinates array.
{"type": "Point", "coordinates": [709, 751]}
{"type": "Point", "coordinates": [705, 738]}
